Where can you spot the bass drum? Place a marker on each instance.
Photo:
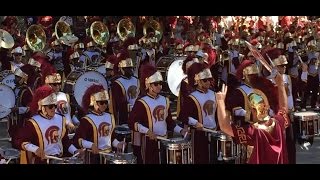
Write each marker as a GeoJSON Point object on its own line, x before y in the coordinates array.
{"type": "Point", "coordinates": [8, 102]}
{"type": "Point", "coordinates": [7, 78]}
{"type": "Point", "coordinates": [99, 68]}
{"type": "Point", "coordinates": [79, 81]}
{"type": "Point", "coordinates": [172, 73]}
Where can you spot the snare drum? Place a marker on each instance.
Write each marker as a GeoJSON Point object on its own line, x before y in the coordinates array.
{"type": "Point", "coordinates": [178, 151]}
{"type": "Point", "coordinates": [79, 81]}
{"type": "Point", "coordinates": [122, 158]}
{"type": "Point", "coordinates": [7, 78]}
{"type": "Point", "coordinates": [8, 102]}
{"type": "Point", "coordinates": [226, 149]}
{"type": "Point", "coordinates": [172, 73]}
{"type": "Point", "coordinates": [67, 160]}
{"type": "Point", "coordinates": [10, 154]}
{"type": "Point", "coordinates": [123, 131]}
{"type": "Point", "coordinates": [307, 123]}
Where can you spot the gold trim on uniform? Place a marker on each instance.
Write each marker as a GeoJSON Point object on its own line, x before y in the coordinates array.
{"type": "Point", "coordinates": [198, 107]}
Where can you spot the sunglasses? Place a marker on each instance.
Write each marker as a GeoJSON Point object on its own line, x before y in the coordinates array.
{"type": "Point", "coordinates": [55, 84]}
{"type": "Point", "coordinates": [18, 54]}
{"type": "Point", "coordinates": [102, 102]}
{"type": "Point", "coordinates": [205, 80]}
{"type": "Point", "coordinates": [51, 106]}
{"type": "Point", "coordinates": [283, 65]}
{"type": "Point", "coordinates": [157, 83]}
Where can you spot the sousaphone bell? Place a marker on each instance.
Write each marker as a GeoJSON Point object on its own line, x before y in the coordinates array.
{"type": "Point", "coordinates": [36, 37]}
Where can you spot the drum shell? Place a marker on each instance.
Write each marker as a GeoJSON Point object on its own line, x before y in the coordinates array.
{"type": "Point", "coordinates": [67, 160]}
{"type": "Point", "coordinates": [307, 123]}
{"type": "Point", "coordinates": [177, 152]}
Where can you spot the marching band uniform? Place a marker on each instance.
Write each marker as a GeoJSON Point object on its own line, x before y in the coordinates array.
{"type": "Point", "coordinates": [90, 52]}
{"type": "Point", "coordinates": [63, 99]}
{"type": "Point", "coordinates": [280, 62]}
{"type": "Point", "coordinates": [37, 79]}
{"type": "Point", "coordinates": [150, 116]}
{"type": "Point", "coordinates": [96, 128]}
{"type": "Point", "coordinates": [125, 89]}
{"type": "Point", "coordinates": [185, 88]}
{"type": "Point", "coordinates": [23, 95]}
{"type": "Point", "coordinates": [313, 78]}
{"type": "Point", "coordinates": [56, 57]}
{"type": "Point", "coordinates": [266, 141]}
{"type": "Point", "coordinates": [199, 110]}
{"type": "Point", "coordinates": [236, 102]}
{"type": "Point", "coordinates": [16, 62]}
{"type": "Point", "coordinates": [44, 131]}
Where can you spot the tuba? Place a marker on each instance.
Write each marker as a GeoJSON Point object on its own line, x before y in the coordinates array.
{"type": "Point", "coordinates": [155, 27]}
{"type": "Point", "coordinates": [64, 34]}
{"type": "Point", "coordinates": [62, 29]}
{"type": "Point", "coordinates": [36, 37]}
{"type": "Point", "coordinates": [99, 33]}
{"type": "Point", "coordinates": [125, 29]}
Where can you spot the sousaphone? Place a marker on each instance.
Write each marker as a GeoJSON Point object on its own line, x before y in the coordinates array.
{"type": "Point", "coordinates": [36, 37]}
{"type": "Point", "coordinates": [125, 29]}
{"type": "Point", "coordinates": [155, 27]}
{"type": "Point", "coordinates": [99, 33]}
{"type": "Point", "coordinates": [64, 34]}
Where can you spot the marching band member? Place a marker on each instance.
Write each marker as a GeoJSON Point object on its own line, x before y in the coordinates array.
{"type": "Point", "coordinates": [23, 95]}
{"type": "Point", "coordinates": [280, 63]}
{"type": "Point", "coordinates": [265, 133]}
{"type": "Point", "coordinates": [96, 128]}
{"type": "Point", "coordinates": [185, 87]}
{"type": "Point", "coordinates": [84, 59]}
{"type": "Point", "coordinates": [91, 53]}
{"type": "Point", "coordinates": [45, 132]}
{"type": "Point", "coordinates": [16, 58]}
{"type": "Point", "coordinates": [53, 79]}
{"type": "Point", "coordinates": [312, 88]}
{"type": "Point", "coordinates": [56, 56]}
{"type": "Point", "coordinates": [198, 110]}
{"type": "Point", "coordinates": [37, 79]}
{"type": "Point", "coordinates": [248, 74]}
{"type": "Point", "coordinates": [124, 89]}
{"type": "Point", "coordinates": [151, 116]}
{"type": "Point", "coordinates": [111, 69]}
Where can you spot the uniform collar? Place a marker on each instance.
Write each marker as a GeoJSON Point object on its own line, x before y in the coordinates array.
{"type": "Point", "coordinates": [201, 90]}
{"type": "Point", "coordinates": [95, 113]}
{"type": "Point", "coordinates": [153, 97]}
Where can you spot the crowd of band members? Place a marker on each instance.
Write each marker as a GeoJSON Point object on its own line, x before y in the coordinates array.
{"type": "Point", "coordinates": [215, 55]}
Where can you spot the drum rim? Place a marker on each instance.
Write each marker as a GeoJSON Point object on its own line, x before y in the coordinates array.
{"type": "Point", "coordinates": [75, 84]}
{"type": "Point", "coordinates": [13, 98]}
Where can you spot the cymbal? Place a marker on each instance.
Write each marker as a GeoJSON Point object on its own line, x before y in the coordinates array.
{"type": "Point", "coordinates": [68, 39]}
{"type": "Point", "coordinates": [6, 40]}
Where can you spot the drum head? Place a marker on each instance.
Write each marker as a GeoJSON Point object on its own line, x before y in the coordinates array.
{"type": "Point", "coordinates": [85, 81]}
{"type": "Point", "coordinates": [10, 153]}
{"type": "Point", "coordinates": [175, 75]}
{"type": "Point", "coordinates": [8, 102]}
{"type": "Point", "coordinates": [9, 80]}
{"type": "Point", "coordinates": [307, 113]}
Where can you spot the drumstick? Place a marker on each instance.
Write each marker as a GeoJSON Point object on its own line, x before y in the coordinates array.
{"type": "Point", "coordinates": [123, 146]}
{"type": "Point", "coordinates": [8, 161]}
{"type": "Point", "coordinates": [210, 130]}
{"type": "Point", "coordinates": [53, 157]}
{"type": "Point", "coordinates": [162, 138]}
{"type": "Point", "coordinates": [102, 153]}
{"type": "Point", "coordinates": [76, 154]}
